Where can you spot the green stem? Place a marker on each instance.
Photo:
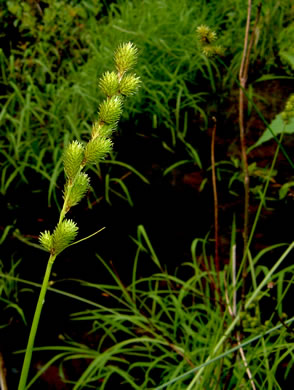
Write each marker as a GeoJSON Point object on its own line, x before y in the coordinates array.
{"type": "Point", "coordinates": [34, 327]}
{"type": "Point", "coordinates": [65, 202]}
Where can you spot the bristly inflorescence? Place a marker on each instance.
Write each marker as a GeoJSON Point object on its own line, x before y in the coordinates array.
{"type": "Point", "coordinates": [116, 86]}
{"type": "Point", "coordinates": [125, 58]}
{"type": "Point", "coordinates": [288, 113]}
{"type": "Point", "coordinates": [207, 38]}
{"type": "Point", "coordinates": [63, 235]}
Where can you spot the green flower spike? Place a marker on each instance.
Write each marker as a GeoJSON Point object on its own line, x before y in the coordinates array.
{"type": "Point", "coordinates": [115, 85]}
{"type": "Point", "coordinates": [97, 149]}
{"type": "Point", "coordinates": [288, 113]}
{"type": "Point", "coordinates": [75, 194]}
{"type": "Point", "coordinates": [129, 85]}
{"type": "Point", "coordinates": [63, 235]}
{"type": "Point", "coordinates": [208, 50]}
{"type": "Point", "coordinates": [205, 34]}
{"type": "Point", "coordinates": [102, 130]}
{"type": "Point", "coordinates": [110, 110]}
{"type": "Point", "coordinates": [125, 58]}
{"type": "Point", "coordinates": [207, 37]}
{"type": "Point", "coordinates": [72, 159]}
{"type": "Point", "coordinates": [46, 240]}
{"type": "Point", "coordinates": [109, 83]}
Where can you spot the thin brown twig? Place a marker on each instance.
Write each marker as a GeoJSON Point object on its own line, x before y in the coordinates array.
{"type": "Point", "coordinates": [215, 200]}
{"type": "Point", "coordinates": [246, 65]}
{"type": "Point", "coordinates": [215, 207]}
{"type": "Point", "coordinates": [3, 383]}
{"type": "Point", "coordinates": [243, 75]}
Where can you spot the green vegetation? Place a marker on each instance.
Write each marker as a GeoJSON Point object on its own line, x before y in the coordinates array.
{"type": "Point", "coordinates": [189, 286]}
{"type": "Point", "coordinates": [76, 157]}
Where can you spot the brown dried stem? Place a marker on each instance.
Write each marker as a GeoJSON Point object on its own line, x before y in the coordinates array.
{"type": "Point", "coordinates": [215, 200]}
{"type": "Point", "coordinates": [3, 383]}
{"type": "Point", "coordinates": [243, 75]}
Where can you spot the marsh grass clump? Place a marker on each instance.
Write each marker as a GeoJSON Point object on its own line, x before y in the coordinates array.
{"type": "Point", "coordinates": [47, 74]}
{"type": "Point", "coordinates": [76, 157]}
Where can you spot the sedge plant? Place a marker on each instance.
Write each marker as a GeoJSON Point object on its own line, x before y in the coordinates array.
{"type": "Point", "coordinates": [77, 156]}
{"type": "Point", "coordinates": [170, 330]}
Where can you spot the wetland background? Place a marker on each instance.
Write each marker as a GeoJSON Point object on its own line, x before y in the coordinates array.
{"type": "Point", "coordinates": [143, 302]}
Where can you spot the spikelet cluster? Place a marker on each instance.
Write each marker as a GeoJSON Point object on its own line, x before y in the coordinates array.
{"type": "Point", "coordinates": [125, 58]}
{"type": "Point", "coordinates": [116, 86]}
{"type": "Point", "coordinates": [288, 112]}
{"type": "Point", "coordinates": [63, 235]}
{"type": "Point", "coordinates": [72, 159]}
{"type": "Point", "coordinates": [207, 38]}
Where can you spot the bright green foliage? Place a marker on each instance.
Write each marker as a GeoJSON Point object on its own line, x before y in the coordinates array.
{"type": "Point", "coordinates": [72, 159]}
{"type": "Point", "coordinates": [180, 322]}
{"type": "Point", "coordinates": [75, 194]}
{"type": "Point", "coordinates": [9, 293]}
{"type": "Point", "coordinates": [283, 123]}
{"type": "Point", "coordinates": [63, 49]}
{"type": "Point", "coordinates": [49, 79]}
{"type": "Point", "coordinates": [286, 50]}
{"type": "Point", "coordinates": [163, 325]}
{"type": "Point", "coordinates": [59, 18]}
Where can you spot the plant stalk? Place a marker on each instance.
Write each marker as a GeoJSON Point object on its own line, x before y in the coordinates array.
{"type": "Point", "coordinates": [215, 200]}
{"type": "Point", "coordinates": [34, 327]}
{"type": "Point", "coordinates": [243, 74]}
{"type": "Point", "coordinates": [216, 225]}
